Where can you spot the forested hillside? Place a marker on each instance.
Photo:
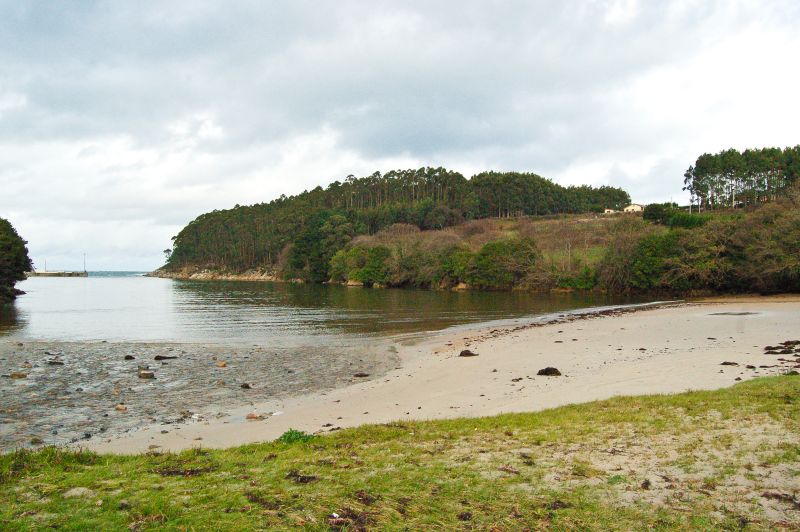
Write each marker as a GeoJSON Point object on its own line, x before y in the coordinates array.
{"type": "Point", "coordinates": [731, 178]}
{"type": "Point", "coordinates": [734, 251]}
{"type": "Point", "coordinates": [14, 261]}
{"type": "Point", "coordinates": [298, 236]}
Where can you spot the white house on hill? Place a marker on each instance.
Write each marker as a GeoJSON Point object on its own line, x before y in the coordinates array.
{"type": "Point", "coordinates": [634, 207]}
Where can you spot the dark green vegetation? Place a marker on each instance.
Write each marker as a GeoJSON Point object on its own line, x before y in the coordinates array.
{"type": "Point", "coordinates": [673, 252]}
{"type": "Point", "coordinates": [297, 237]}
{"type": "Point", "coordinates": [725, 459]}
{"type": "Point", "coordinates": [14, 261]}
{"type": "Point", "coordinates": [671, 215]}
{"type": "Point", "coordinates": [744, 252]}
{"type": "Point", "coordinates": [731, 178]}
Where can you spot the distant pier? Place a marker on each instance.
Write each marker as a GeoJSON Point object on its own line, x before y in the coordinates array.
{"type": "Point", "coordinates": [56, 274]}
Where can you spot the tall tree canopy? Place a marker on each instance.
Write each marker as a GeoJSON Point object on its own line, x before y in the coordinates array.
{"type": "Point", "coordinates": [730, 177]}
{"type": "Point", "coordinates": [14, 261]}
{"type": "Point", "coordinates": [300, 234]}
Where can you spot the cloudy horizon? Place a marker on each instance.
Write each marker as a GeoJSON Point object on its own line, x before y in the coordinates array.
{"type": "Point", "coordinates": [122, 122]}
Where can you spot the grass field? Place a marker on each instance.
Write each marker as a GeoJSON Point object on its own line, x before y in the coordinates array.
{"type": "Point", "coordinates": [722, 459]}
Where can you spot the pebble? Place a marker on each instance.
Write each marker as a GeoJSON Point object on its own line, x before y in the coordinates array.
{"type": "Point", "coordinates": [549, 372]}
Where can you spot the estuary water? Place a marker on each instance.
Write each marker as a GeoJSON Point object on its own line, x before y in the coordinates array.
{"type": "Point", "coordinates": [127, 306]}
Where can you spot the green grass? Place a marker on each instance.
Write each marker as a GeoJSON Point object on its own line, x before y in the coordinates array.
{"type": "Point", "coordinates": [575, 467]}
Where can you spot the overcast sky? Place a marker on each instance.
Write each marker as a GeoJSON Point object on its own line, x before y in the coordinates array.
{"type": "Point", "coordinates": [122, 121]}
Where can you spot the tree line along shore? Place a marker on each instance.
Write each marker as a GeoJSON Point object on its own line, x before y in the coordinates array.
{"type": "Point", "coordinates": [433, 228]}
{"type": "Point", "coordinates": [14, 261]}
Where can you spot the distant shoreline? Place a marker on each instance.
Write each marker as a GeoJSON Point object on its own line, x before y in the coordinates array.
{"type": "Point", "coordinates": [256, 276]}
{"type": "Point", "coordinates": [56, 274]}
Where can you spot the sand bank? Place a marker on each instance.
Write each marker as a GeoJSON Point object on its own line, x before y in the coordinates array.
{"type": "Point", "coordinates": [664, 350]}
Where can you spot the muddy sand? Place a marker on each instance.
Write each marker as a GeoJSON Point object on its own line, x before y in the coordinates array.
{"type": "Point", "coordinates": [670, 349]}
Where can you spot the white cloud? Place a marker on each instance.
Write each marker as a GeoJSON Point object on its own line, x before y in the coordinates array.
{"type": "Point", "coordinates": [620, 11]}
{"type": "Point", "coordinates": [11, 100]}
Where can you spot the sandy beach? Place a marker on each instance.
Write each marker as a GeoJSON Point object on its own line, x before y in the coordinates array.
{"type": "Point", "coordinates": [664, 350]}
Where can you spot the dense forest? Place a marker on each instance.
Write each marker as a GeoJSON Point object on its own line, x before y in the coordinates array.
{"type": "Point", "coordinates": [298, 236]}
{"type": "Point", "coordinates": [731, 178]}
{"type": "Point", "coordinates": [14, 260]}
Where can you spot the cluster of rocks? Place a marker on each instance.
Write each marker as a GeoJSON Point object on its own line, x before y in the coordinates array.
{"type": "Point", "coordinates": [566, 317]}
{"type": "Point", "coordinates": [788, 347]}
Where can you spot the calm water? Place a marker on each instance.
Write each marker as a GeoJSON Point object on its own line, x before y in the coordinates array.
{"type": "Point", "coordinates": [130, 307]}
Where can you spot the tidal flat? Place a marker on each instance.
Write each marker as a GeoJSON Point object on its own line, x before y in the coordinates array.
{"type": "Point", "coordinates": [71, 392]}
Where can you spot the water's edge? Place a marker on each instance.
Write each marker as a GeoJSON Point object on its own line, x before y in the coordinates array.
{"type": "Point", "coordinates": [75, 391]}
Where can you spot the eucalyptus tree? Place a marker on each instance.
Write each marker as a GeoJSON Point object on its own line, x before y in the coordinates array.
{"type": "Point", "coordinates": [729, 178]}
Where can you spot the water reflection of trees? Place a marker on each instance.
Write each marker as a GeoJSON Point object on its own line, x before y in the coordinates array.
{"type": "Point", "coordinates": [363, 310]}
{"type": "Point", "coordinates": [11, 320]}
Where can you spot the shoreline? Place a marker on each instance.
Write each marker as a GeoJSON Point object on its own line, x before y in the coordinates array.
{"type": "Point", "coordinates": [668, 349]}
{"type": "Point", "coordinates": [63, 392]}
{"type": "Point", "coordinates": [264, 276]}
{"type": "Point", "coordinates": [211, 275]}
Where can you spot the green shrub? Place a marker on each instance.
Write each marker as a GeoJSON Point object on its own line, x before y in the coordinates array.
{"type": "Point", "coordinates": [295, 436]}
{"type": "Point", "coordinates": [455, 266]}
{"type": "Point", "coordinates": [686, 220]}
{"type": "Point", "coordinates": [668, 214]}
{"type": "Point", "coordinates": [346, 262]}
{"type": "Point", "coordinates": [651, 260]}
{"type": "Point", "coordinates": [585, 280]}
{"type": "Point", "coordinates": [656, 212]}
{"type": "Point", "coordinates": [375, 270]}
{"type": "Point", "coordinates": [502, 264]}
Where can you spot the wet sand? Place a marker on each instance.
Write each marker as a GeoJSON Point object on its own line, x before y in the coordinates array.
{"type": "Point", "coordinates": [663, 350]}
{"type": "Point", "coordinates": [78, 391]}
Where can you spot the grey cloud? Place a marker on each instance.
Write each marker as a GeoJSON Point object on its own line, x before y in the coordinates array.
{"type": "Point", "coordinates": [539, 86]}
